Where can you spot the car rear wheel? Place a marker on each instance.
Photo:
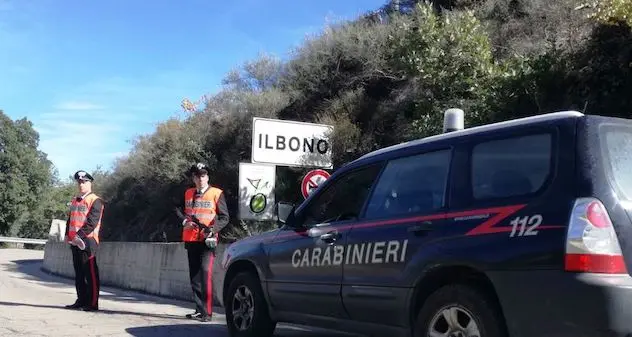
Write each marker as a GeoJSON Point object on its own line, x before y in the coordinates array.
{"type": "Point", "coordinates": [459, 311]}
{"type": "Point", "coordinates": [246, 308]}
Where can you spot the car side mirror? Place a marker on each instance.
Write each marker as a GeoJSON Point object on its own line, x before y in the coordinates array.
{"type": "Point", "coordinates": [284, 212]}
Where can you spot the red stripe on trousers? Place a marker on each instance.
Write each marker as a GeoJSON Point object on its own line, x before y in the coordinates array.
{"type": "Point", "coordinates": [94, 281]}
{"type": "Point", "coordinates": [209, 285]}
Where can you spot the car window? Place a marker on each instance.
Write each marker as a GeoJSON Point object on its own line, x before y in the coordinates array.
{"type": "Point", "coordinates": [618, 142]}
{"type": "Point", "coordinates": [343, 199]}
{"type": "Point", "coordinates": [411, 185]}
{"type": "Point", "coordinates": [511, 167]}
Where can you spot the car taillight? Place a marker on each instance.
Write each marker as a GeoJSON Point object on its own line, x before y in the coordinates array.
{"type": "Point", "coordinates": [591, 244]}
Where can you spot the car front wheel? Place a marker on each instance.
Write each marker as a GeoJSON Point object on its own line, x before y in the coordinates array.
{"type": "Point", "coordinates": [246, 309]}
{"type": "Point", "coordinates": [459, 311]}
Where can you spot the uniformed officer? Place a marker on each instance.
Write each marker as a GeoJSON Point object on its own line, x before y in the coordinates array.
{"type": "Point", "coordinates": [82, 233]}
{"type": "Point", "coordinates": [206, 215]}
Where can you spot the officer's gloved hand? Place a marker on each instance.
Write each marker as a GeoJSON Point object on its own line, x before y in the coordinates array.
{"type": "Point", "coordinates": [211, 242]}
{"type": "Point", "coordinates": [79, 243]}
{"type": "Point", "coordinates": [188, 224]}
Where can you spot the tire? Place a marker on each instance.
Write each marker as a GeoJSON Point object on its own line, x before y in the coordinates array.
{"type": "Point", "coordinates": [466, 300]}
{"type": "Point", "coordinates": [260, 324]}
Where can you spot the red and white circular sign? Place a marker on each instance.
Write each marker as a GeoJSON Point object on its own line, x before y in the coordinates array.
{"type": "Point", "coordinates": [312, 180]}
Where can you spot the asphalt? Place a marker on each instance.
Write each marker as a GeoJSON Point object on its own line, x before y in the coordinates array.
{"type": "Point", "coordinates": [32, 304]}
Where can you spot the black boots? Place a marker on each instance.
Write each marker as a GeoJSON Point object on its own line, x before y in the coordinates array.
{"type": "Point", "coordinates": [78, 305]}
{"type": "Point", "coordinates": [75, 305]}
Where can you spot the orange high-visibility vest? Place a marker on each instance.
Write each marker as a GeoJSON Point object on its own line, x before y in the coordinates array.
{"type": "Point", "coordinates": [79, 211]}
{"type": "Point", "coordinates": [204, 207]}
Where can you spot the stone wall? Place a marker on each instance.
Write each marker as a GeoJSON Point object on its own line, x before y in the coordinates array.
{"type": "Point", "coordinates": [154, 268]}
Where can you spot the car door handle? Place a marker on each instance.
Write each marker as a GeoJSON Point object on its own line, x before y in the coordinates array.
{"type": "Point", "coordinates": [330, 237]}
{"type": "Point", "coordinates": [425, 226]}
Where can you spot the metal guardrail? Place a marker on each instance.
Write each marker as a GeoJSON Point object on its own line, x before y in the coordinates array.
{"type": "Point", "coordinates": [23, 240]}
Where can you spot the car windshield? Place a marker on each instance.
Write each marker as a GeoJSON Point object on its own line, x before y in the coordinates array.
{"type": "Point", "coordinates": [618, 147]}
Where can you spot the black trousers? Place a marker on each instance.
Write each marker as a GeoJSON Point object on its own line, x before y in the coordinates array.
{"type": "Point", "coordinates": [201, 260]}
{"type": "Point", "coordinates": [87, 280]}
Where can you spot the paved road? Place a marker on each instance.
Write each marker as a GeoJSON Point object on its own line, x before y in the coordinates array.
{"type": "Point", "coordinates": [31, 304]}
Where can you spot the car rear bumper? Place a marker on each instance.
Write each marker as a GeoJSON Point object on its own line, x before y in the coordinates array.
{"type": "Point", "coordinates": [559, 304]}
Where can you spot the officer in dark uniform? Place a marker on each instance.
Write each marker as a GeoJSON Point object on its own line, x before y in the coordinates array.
{"type": "Point", "coordinates": [206, 205]}
{"type": "Point", "coordinates": [82, 233]}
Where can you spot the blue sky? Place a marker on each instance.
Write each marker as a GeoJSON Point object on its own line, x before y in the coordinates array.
{"type": "Point", "coordinates": [92, 75]}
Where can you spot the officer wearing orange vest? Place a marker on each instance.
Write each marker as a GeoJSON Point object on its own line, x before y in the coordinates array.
{"type": "Point", "coordinates": [206, 214]}
{"type": "Point", "coordinates": [82, 233]}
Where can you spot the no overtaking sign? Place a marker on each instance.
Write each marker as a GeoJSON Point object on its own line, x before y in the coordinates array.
{"type": "Point", "coordinates": [312, 180]}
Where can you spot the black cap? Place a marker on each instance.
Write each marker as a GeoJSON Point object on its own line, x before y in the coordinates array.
{"type": "Point", "coordinates": [198, 169]}
{"type": "Point", "coordinates": [83, 175]}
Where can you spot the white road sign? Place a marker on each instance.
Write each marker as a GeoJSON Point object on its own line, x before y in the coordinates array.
{"type": "Point", "coordinates": [290, 143]}
{"type": "Point", "coordinates": [256, 191]}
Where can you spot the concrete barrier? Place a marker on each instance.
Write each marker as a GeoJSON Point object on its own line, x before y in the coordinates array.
{"type": "Point", "coordinates": [155, 268]}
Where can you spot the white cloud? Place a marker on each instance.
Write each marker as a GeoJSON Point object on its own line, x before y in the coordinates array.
{"type": "Point", "coordinates": [78, 105]}
{"type": "Point", "coordinates": [83, 134]}
{"type": "Point", "coordinates": [76, 142]}
{"type": "Point", "coordinates": [93, 124]}
{"type": "Point", "coordinates": [115, 155]}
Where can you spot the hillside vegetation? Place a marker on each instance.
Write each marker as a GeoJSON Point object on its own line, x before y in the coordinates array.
{"type": "Point", "coordinates": [382, 79]}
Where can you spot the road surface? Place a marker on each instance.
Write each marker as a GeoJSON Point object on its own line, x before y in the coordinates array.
{"type": "Point", "coordinates": [32, 304]}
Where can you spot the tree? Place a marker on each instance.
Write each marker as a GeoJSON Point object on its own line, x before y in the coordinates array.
{"type": "Point", "coordinates": [25, 174]}
{"type": "Point", "coordinates": [611, 12]}
{"type": "Point", "coordinates": [53, 205]}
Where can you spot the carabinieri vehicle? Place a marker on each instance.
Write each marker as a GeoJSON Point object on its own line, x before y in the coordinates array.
{"type": "Point", "coordinates": [520, 228]}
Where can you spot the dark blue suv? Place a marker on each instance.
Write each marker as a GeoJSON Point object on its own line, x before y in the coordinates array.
{"type": "Point", "coordinates": [517, 229]}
